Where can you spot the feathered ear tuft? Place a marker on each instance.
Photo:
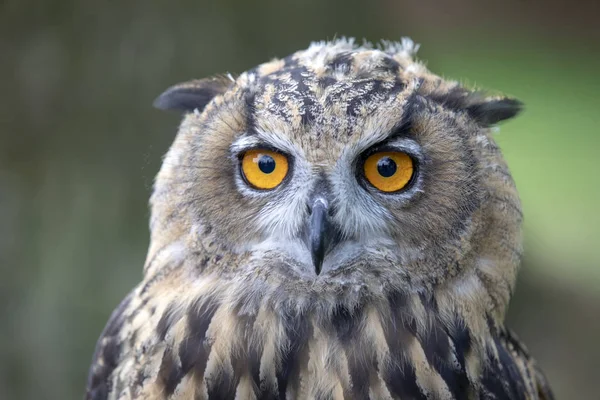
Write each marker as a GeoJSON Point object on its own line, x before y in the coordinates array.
{"type": "Point", "coordinates": [485, 110]}
{"type": "Point", "coordinates": [192, 95]}
{"type": "Point", "coordinates": [490, 111]}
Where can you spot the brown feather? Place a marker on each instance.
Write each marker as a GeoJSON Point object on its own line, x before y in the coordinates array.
{"type": "Point", "coordinates": [411, 302]}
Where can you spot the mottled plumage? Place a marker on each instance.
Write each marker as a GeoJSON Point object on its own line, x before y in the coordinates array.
{"type": "Point", "coordinates": [409, 293]}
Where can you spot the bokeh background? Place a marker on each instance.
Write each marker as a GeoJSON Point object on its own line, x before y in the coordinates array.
{"type": "Point", "coordinates": [80, 145]}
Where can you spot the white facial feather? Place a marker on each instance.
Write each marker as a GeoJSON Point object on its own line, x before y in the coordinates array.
{"type": "Point", "coordinates": [362, 220]}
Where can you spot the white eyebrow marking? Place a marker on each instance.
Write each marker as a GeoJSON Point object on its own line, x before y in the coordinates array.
{"type": "Point", "coordinates": [244, 142]}
{"type": "Point", "coordinates": [260, 138]}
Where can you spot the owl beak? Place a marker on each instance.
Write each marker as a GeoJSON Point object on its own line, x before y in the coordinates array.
{"type": "Point", "coordinates": [317, 232]}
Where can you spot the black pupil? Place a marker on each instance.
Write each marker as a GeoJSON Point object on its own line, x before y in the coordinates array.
{"type": "Point", "coordinates": [266, 164]}
{"type": "Point", "coordinates": [386, 167]}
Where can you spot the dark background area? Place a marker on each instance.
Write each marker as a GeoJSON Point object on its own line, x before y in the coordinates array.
{"type": "Point", "coordinates": [80, 145]}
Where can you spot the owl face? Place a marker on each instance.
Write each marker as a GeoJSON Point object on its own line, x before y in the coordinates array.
{"type": "Point", "coordinates": [342, 164]}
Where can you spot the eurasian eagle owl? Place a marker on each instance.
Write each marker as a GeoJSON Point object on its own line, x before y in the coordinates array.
{"type": "Point", "coordinates": [335, 224]}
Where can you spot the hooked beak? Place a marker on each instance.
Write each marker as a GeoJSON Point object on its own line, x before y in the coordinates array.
{"type": "Point", "coordinates": [318, 232]}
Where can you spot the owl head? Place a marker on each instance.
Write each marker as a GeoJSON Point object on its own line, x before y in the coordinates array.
{"type": "Point", "coordinates": [339, 171]}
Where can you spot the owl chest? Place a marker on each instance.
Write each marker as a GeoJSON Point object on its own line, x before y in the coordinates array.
{"type": "Point", "coordinates": [211, 353]}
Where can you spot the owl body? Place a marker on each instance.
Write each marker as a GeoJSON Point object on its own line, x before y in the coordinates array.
{"type": "Point", "coordinates": [337, 224]}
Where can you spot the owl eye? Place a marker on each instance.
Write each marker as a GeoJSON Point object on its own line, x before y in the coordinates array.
{"type": "Point", "coordinates": [389, 171]}
{"type": "Point", "coordinates": [264, 169]}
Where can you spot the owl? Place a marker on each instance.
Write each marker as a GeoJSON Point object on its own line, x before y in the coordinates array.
{"type": "Point", "coordinates": [335, 224]}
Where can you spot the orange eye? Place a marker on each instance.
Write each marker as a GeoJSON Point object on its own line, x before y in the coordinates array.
{"type": "Point", "coordinates": [264, 169]}
{"type": "Point", "coordinates": [389, 171]}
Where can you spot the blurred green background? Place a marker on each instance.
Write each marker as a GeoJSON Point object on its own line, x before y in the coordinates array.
{"type": "Point", "coordinates": [80, 145]}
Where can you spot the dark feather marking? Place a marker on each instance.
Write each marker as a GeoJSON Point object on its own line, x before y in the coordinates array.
{"type": "Point", "coordinates": [100, 392]}
{"type": "Point", "coordinates": [461, 338]}
{"type": "Point", "coordinates": [402, 381]}
{"type": "Point", "coordinates": [456, 98]}
{"type": "Point", "coordinates": [493, 111]}
{"type": "Point", "coordinates": [298, 330]}
{"type": "Point", "coordinates": [359, 370]}
{"type": "Point", "coordinates": [250, 103]}
{"type": "Point", "coordinates": [140, 377]}
{"type": "Point", "coordinates": [346, 325]}
{"type": "Point", "coordinates": [192, 95]}
{"type": "Point", "coordinates": [111, 352]}
{"type": "Point", "coordinates": [435, 343]}
{"type": "Point", "coordinates": [404, 128]}
{"type": "Point", "coordinates": [437, 350]}
{"type": "Point", "coordinates": [297, 74]}
{"type": "Point", "coordinates": [327, 81]}
{"type": "Point", "coordinates": [402, 319]}
{"type": "Point", "coordinates": [240, 365]}
{"type": "Point", "coordinates": [107, 354]}
{"type": "Point", "coordinates": [193, 350]}
{"type": "Point", "coordinates": [502, 377]}
{"type": "Point", "coordinates": [344, 322]}
{"type": "Point", "coordinates": [264, 389]}
{"type": "Point", "coordinates": [510, 340]}
{"type": "Point", "coordinates": [169, 373]}
{"type": "Point", "coordinates": [267, 395]}
{"type": "Point", "coordinates": [400, 375]}
{"type": "Point", "coordinates": [254, 366]}
{"type": "Point", "coordinates": [456, 380]}
{"type": "Point", "coordinates": [222, 386]}
{"type": "Point", "coordinates": [513, 376]}
{"type": "Point", "coordinates": [428, 302]}
{"type": "Point", "coordinates": [166, 321]}
{"type": "Point", "coordinates": [140, 307]}
{"type": "Point", "coordinates": [376, 90]}
{"type": "Point", "coordinates": [388, 64]}
{"type": "Point", "coordinates": [492, 387]}
{"type": "Point", "coordinates": [248, 362]}
{"type": "Point", "coordinates": [342, 62]}
{"type": "Point", "coordinates": [354, 104]}
{"type": "Point", "coordinates": [484, 110]}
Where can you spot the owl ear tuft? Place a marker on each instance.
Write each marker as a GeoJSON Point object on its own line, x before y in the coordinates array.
{"type": "Point", "coordinates": [192, 95]}
{"type": "Point", "coordinates": [485, 110]}
{"type": "Point", "coordinates": [490, 111]}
